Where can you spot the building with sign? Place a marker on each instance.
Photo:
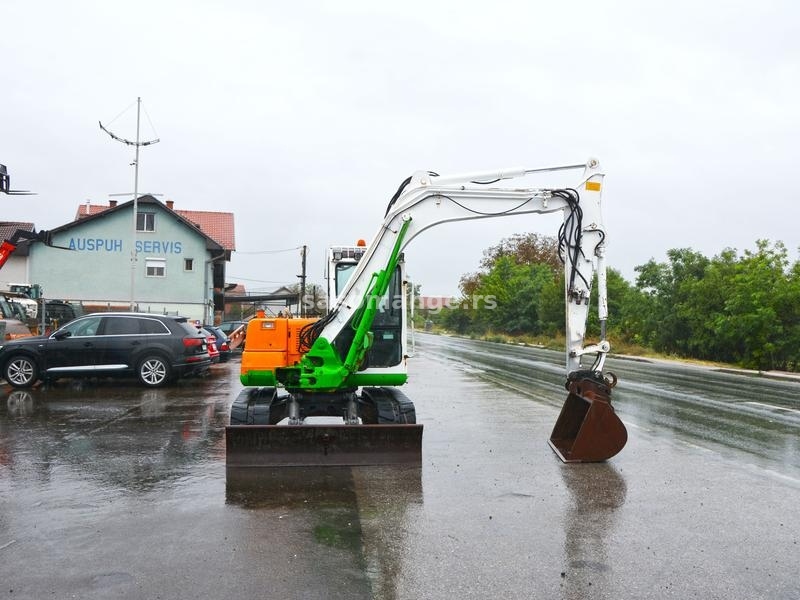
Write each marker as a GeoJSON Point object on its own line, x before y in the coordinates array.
{"type": "Point", "coordinates": [172, 263]}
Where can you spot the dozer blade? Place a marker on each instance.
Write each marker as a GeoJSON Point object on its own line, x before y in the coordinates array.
{"type": "Point", "coordinates": [322, 445]}
{"type": "Point", "coordinates": [588, 429]}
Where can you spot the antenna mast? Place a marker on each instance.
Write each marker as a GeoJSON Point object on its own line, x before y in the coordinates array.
{"type": "Point", "coordinates": [137, 144]}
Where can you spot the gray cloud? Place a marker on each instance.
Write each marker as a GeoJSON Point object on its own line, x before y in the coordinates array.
{"type": "Point", "coordinates": [303, 118]}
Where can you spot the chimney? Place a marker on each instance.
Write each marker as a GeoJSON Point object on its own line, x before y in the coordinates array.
{"type": "Point", "coordinates": [112, 203]}
{"type": "Point", "coordinates": [170, 204]}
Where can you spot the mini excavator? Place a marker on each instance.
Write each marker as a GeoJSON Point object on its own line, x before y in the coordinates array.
{"type": "Point", "coordinates": [326, 391]}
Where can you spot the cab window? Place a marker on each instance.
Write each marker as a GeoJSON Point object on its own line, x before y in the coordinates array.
{"type": "Point", "coordinates": [343, 273]}
{"type": "Point", "coordinates": [387, 329]}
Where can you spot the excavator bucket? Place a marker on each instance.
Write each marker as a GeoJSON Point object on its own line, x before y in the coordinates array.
{"type": "Point", "coordinates": [322, 445]}
{"type": "Point", "coordinates": [588, 429]}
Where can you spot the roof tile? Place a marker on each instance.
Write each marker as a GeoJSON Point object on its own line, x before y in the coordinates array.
{"type": "Point", "coordinates": [9, 228]}
{"type": "Point", "coordinates": [218, 226]}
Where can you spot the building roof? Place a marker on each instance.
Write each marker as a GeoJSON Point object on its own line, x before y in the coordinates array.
{"type": "Point", "coordinates": [237, 290]}
{"type": "Point", "coordinates": [9, 228]}
{"type": "Point", "coordinates": [216, 225]}
{"type": "Point", "coordinates": [87, 210]}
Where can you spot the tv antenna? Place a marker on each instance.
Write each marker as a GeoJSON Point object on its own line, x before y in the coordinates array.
{"type": "Point", "coordinates": [137, 144]}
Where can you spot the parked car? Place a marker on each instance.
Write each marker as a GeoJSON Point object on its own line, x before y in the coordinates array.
{"type": "Point", "coordinates": [211, 344]}
{"type": "Point", "coordinates": [228, 326]}
{"type": "Point", "coordinates": [223, 342]}
{"type": "Point", "coordinates": [155, 348]}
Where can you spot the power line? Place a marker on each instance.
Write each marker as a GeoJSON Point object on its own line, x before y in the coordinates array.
{"type": "Point", "coordinates": [270, 251]}
{"type": "Point", "coordinates": [234, 277]}
{"type": "Point", "coordinates": [122, 113]}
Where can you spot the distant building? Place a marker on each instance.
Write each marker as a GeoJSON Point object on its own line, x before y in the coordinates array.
{"type": "Point", "coordinates": [181, 258]}
{"type": "Point", "coordinates": [240, 304]}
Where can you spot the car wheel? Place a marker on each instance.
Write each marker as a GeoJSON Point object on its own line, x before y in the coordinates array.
{"type": "Point", "coordinates": [21, 371]}
{"type": "Point", "coordinates": [154, 371]}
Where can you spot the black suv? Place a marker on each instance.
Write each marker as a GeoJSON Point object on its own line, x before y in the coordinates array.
{"type": "Point", "coordinates": [154, 348]}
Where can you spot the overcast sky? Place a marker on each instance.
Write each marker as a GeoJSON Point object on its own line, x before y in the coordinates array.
{"type": "Point", "coordinates": [302, 118]}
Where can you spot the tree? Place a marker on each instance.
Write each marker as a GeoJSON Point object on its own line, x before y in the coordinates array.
{"type": "Point", "coordinates": [524, 249]}
{"type": "Point", "coordinates": [504, 295]}
{"type": "Point", "coordinates": [741, 309]}
{"type": "Point", "coordinates": [735, 308]}
{"type": "Point", "coordinates": [316, 300]}
{"type": "Point", "coordinates": [750, 327]}
{"type": "Point", "coordinates": [668, 286]}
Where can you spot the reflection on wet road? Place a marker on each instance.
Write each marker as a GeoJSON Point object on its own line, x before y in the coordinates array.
{"type": "Point", "coordinates": [110, 490]}
{"type": "Point", "coordinates": [359, 511]}
{"type": "Point", "coordinates": [116, 433]}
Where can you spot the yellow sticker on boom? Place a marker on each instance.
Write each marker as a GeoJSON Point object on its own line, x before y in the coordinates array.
{"type": "Point", "coordinates": [592, 186]}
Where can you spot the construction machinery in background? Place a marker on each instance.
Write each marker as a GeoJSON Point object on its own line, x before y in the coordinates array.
{"type": "Point", "coordinates": [8, 246]}
{"type": "Point", "coordinates": [326, 391]}
{"type": "Point", "coordinates": [27, 297]}
{"type": "Point", "coordinates": [5, 184]}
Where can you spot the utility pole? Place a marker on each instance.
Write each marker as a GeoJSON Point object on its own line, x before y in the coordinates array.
{"type": "Point", "coordinates": [302, 277]}
{"type": "Point", "coordinates": [137, 144]}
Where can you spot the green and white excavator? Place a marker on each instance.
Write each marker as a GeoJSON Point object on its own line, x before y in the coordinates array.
{"type": "Point", "coordinates": [327, 391]}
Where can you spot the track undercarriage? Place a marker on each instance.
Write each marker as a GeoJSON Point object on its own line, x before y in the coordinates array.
{"type": "Point", "coordinates": [275, 427]}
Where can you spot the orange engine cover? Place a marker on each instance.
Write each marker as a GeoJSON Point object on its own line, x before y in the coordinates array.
{"type": "Point", "coordinates": [272, 342]}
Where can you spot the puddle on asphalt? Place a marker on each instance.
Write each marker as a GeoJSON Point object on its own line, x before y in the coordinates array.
{"type": "Point", "coordinates": [362, 511]}
{"type": "Point", "coordinates": [327, 486]}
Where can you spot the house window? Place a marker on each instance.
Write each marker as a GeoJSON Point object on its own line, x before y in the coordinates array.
{"type": "Point", "coordinates": [145, 221]}
{"type": "Point", "coordinates": [188, 264]}
{"type": "Point", "coordinates": [155, 267]}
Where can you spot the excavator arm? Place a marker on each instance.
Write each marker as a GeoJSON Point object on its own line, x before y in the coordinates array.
{"type": "Point", "coordinates": [428, 200]}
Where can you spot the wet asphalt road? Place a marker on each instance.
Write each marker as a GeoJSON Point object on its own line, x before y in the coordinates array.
{"type": "Point", "coordinates": [111, 491]}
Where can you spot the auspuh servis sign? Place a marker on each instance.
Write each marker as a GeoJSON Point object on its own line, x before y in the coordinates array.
{"type": "Point", "coordinates": [87, 244]}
